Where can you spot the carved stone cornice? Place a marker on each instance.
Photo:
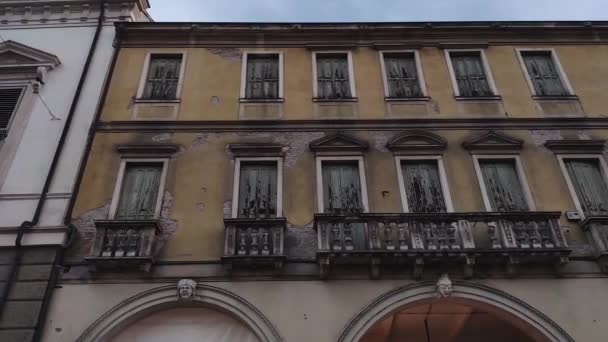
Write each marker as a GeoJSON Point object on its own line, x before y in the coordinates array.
{"type": "Point", "coordinates": [339, 142]}
{"type": "Point", "coordinates": [493, 141]}
{"type": "Point", "coordinates": [576, 146]}
{"type": "Point", "coordinates": [416, 141]}
{"type": "Point", "coordinates": [17, 13]}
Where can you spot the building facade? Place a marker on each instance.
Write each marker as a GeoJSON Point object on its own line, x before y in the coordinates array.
{"type": "Point", "coordinates": [343, 182]}
{"type": "Point", "coordinates": [54, 59]}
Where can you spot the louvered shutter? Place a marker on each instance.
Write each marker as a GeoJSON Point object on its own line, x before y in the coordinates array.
{"type": "Point", "coordinates": [139, 193]}
{"type": "Point", "coordinates": [470, 75]}
{"type": "Point", "coordinates": [333, 77]}
{"type": "Point", "coordinates": [423, 186]}
{"type": "Point", "coordinates": [9, 101]}
{"type": "Point", "coordinates": [503, 186]}
{"type": "Point", "coordinates": [589, 185]}
{"type": "Point", "coordinates": [402, 76]}
{"type": "Point", "coordinates": [258, 189]}
{"type": "Point", "coordinates": [163, 77]}
{"type": "Point", "coordinates": [342, 195]}
{"type": "Point", "coordinates": [544, 74]}
{"type": "Point", "coordinates": [262, 77]}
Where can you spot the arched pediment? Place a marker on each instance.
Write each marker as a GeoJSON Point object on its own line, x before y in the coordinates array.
{"type": "Point", "coordinates": [17, 55]}
{"type": "Point", "coordinates": [339, 142]}
{"type": "Point", "coordinates": [493, 140]}
{"type": "Point", "coordinates": [417, 140]}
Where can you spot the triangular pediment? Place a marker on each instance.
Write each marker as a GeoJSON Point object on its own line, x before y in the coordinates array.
{"type": "Point", "coordinates": [17, 55]}
{"type": "Point", "coordinates": [416, 140]}
{"type": "Point", "coordinates": [493, 141]}
{"type": "Point", "coordinates": [339, 142]}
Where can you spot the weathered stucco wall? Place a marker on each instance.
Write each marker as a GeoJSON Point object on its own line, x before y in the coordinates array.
{"type": "Point", "coordinates": [200, 180]}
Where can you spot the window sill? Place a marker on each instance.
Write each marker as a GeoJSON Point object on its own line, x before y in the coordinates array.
{"type": "Point", "coordinates": [246, 100]}
{"type": "Point", "coordinates": [406, 99]}
{"type": "Point", "coordinates": [555, 98]}
{"type": "Point", "coordinates": [478, 98]}
{"type": "Point", "coordinates": [157, 101]}
{"type": "Point", "coordinates": [318, 99]}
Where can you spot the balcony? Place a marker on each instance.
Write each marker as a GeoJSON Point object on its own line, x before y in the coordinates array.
{"type": "Point", "coordinates": [440, 239]}
{"type": "Point", "coordinates": [123, 244]}
{"type": "Point", "coordinates": [254, 242]}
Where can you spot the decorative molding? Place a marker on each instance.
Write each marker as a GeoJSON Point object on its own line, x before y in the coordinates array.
{"type": "Point", "coordinates": [27, 56]}
{"type": "Point", "coordinates": [147, 150]}
{"type": "Point", "coordinates": [493, 141]}
{"type": "Point", "coordinates": [163, 297]}
{"type": "Point", "coordinates": [573, 146]}
{"type": "Point", "coordinates": [339, 142]}
{"type": "Point", "coordinates": [256, 150]}
{"type": "Point", "coordinates": [417, 141]}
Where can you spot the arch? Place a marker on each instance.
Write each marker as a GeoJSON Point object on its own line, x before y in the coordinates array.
{"type": "Point", "coordinates": [165, 297]}
{"type": "Point", "coordinates": [417, 140]}
{"type": "Point", "coordinates": [400, 297]}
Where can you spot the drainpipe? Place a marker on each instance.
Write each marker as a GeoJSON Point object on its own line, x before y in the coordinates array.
{"type": "Point", "coordinates": [49, 178]}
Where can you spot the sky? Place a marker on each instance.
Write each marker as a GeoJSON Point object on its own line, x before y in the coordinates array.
{"type": "Point", "coordinates": [376, 10]}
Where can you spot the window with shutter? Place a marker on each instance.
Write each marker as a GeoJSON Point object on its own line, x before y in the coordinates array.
{"type": "Point", "coordinates": [342, 195]}
{"type": "Point", "coordinates": [589, 185]}
{"type": "Point", "coordinates": [503, 186]}
{"type": "Point", "coordinates": [139, 193]}
{"type": "Point", "coordinates": [470, 74]}
{"type": "Point", "coordinates": [332, 76]}
{"type": "Point", "coordinates": [543, 73]}
{"type": "Point", "coordinates": [423, 186]}
{"type": "Point", "coordinates": [163, 77]}
{"type": "Point", "coordinates": [402, 75]}
{"type": "Point", "coordinates": [258, 189]}
{"type": "Point", "coordinates": [262, 76]}
{"type": "Point", "coordinates": [9, 102]}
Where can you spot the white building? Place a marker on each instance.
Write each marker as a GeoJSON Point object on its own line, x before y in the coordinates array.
{"type": "Point", "coordinates": [54, 59]}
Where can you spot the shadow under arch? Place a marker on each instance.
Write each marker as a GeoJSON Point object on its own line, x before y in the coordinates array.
{"type": "Point", "coordinates": [165, 297]}
{"type": "Point", "coordinates": [409, 295]}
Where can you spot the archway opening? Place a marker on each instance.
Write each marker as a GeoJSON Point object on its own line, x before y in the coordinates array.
{"type": "Point", "coordinates": [186, 324]}
{"type": "Point", "coordinates": [451, 320]}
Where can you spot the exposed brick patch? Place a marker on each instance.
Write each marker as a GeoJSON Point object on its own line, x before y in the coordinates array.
{"type": "Point", "coordinates": [168, 226]}
{"type": "Point", "coordinates": [230, 54]}
{"type": "Point", "coordinates": [162, 137]}
{"type": "Point", "coordinates": [296, 143]}
{"type": "Point", "coordinates": [381, 138]}
{"type": "Point", "coordinates": [540, 136]}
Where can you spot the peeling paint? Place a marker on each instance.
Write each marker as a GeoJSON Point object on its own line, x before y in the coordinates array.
{"type": "Point", "coordinates": [215, 100]}
{"type": "Point", "coordinates": [296, 143]}
{"type": "Point", "coordinates": [301, 242]}
{"type": "Point", "coordinates": [168, 226]}
{"type": "Point", "coordinates": [230, 54]}
{"type": "Point", "coordinates": [199, 140]}
{"type": "Point", "coordinates": [583, 135]}
{"type": "Point", "coordinates": [162, 137]}
{"type": "Point", "coordinates": [540, 136]}
{"type": "Point", "coordinates": [381, 138]}
{"type": "Point", "coordinates": [85, 224]}
{"type": "Point", "coordinates": [227, 209]}
{"type": "Point", "coordinates": [200, 207]}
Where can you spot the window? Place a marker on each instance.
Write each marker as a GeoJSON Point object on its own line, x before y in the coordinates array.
{"type": "Point", "coordinates": [502, 186]}
{"type": "Point", "coordinates": [470, 74]}
{"type": "Point", "coordinates": [423, 185]}
{"type": "Point", "coordinates": [589, 184]}
{"type": "Point", "coordinates": [262, 73]}
{"type": "Point", "coordinates": [138, 192]}
{"type": "Point", "coordinates": [402, 78]}
{"type": "Point", "coordinates": [543, 73]}
{"type": "Point", "coordinates": [257, 188]}
{"type": "Point", "coordinates": [334, 76]}
{"type": "Point", "coordinates": [163, 77]}
{"type": "Point", "coordinates": [9, 102]}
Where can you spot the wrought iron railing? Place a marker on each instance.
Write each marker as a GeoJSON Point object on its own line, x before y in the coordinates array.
{"type": "Point", "coordinates": [254, 241]}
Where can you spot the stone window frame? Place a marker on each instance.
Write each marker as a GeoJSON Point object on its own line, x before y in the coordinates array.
{"type": "Point", "coordinates": [26, 100]}
{"type": "Point", "coordinates": [243, 86]}
{"type": "Point", "coordinates": [521, 174]}
{"type": "Point", "coordinates": [420, 73]}
{"type": "Point", "coordinates": [121, 177]}
{"type": "Point", "coordinates": [445, 189]}
{"type": "Point", "coordinates": [351, 75]}
{"type": "Point", "coordinates": [571, 190]}
{"type": "Point", "coordinates": [560, 70]}
{"type": "Point", "coordinates": [144, 76]}
{"type": "Point", "coordinates": [362, 179]}
{"type": "Point", "coordinates": [486, 68]}
{"type": "Point", "coordinates": [237, 177]}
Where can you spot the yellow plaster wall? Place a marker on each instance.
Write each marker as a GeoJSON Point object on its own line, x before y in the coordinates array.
{"type": "Point", "coordinates": [211, 86]}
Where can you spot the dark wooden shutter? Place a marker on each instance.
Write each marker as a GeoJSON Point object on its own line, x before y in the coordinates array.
{"type": "Point", "coordinates": [503, 186]}
{"type": "Point", "coordinates": [332, 76]}
{"type": "Point", "coordinates": [258, 189]}
{"type": "Point", "coordinates": [139, 193]}
{"type": "Point", "coordinates": [589, 185]}
{"type": "Point", "coordinates": [163, 77]}
{"type": "Point", "coordinates": [9, 101]}
{"type": "Point", "coordinates": [402, 75]}
{"type": "Point", "coordinates": [543, 74]}
{"type": "Point", "coordinates": [262, 76]}
{"type": "Point", "coordinates": [470, 74]}
{"type": "Point", "coordinates": [423, 186]}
